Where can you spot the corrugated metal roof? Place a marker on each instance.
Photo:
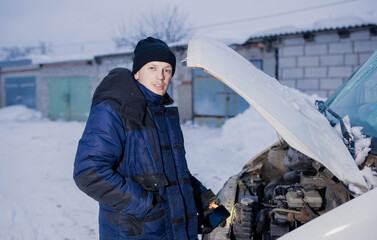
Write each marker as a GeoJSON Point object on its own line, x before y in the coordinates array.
{"type": "Point", "coordinates": [295, 31]}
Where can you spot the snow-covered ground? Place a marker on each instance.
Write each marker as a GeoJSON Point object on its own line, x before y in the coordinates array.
{"type": "Point", "coordinates": [39, 199]}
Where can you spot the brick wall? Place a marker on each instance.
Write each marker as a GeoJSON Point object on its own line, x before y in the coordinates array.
{"type": "Point", "coordinates": [323, 63]}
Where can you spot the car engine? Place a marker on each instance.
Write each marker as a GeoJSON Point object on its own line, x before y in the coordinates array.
{"type": "Point", "coordinates": [277, 192]}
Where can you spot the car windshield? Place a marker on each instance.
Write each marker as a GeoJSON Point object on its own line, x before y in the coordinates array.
{"type": "Point", "coordinates": [357, 98]}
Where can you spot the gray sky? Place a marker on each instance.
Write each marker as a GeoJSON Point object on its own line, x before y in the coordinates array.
{"type": "Point", "coordinates": [65, 23]}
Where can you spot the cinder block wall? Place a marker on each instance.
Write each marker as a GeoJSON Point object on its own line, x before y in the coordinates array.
{"type": "Point", "coordinates": [320, 65]}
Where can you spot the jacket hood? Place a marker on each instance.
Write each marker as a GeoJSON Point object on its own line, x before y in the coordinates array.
{"type": "Point", "coordinates": [119, 85]}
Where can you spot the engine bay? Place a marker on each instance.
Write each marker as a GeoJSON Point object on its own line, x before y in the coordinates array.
{"type": "Point", "coordinates": [278, 191]}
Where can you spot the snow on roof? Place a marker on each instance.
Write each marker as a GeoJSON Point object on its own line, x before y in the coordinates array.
{"type": "Point", "coordinates": [239, 33]}
{"type": "Point", "coordinates": [319, 26]}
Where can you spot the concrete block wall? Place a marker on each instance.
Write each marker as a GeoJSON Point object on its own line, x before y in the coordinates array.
{"type": "Point", "coordinates": [322, 64]}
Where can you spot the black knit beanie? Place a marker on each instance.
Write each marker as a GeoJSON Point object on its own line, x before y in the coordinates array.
{"type": "Point", "coordinates": [152, 49]}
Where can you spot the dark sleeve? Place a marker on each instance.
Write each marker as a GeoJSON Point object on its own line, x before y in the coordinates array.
{"type": "Point", "coordinates": [203, 196]}
{"type": "Point", "coordinates": [99, 151]}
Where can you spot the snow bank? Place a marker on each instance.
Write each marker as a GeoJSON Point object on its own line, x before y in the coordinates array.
{"type": "Point", "coordinates": [19, 113]}
{"type": "Point", "coordinates": [215, 154]}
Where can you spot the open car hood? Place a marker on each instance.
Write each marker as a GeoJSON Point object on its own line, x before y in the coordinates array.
{"type": "Point", "coordinates": [292, 116]}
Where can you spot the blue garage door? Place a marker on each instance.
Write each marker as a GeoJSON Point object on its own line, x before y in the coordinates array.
{"type": "Point", "coordinates": [20, 90]}
{"type": "Point", "coordinates": [213, 101]}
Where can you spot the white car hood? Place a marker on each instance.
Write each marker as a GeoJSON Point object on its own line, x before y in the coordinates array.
{"type": "Point", "coordinates": [296, 120]}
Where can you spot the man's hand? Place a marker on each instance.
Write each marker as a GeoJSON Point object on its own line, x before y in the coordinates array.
{"type": "Point", "coordinates": [214, 216]}
{"type": "Point", "coordinates": [212, 205]}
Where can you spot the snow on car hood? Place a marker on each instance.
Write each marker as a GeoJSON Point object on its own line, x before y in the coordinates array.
{"type": "Point", "coordinates": [295, 119]}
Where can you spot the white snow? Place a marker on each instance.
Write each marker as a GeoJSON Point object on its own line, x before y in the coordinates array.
{"type": "Point", "coordinates": [371, 177]}
{"type": "Point", "coordinates": [19, 113]}
{"type": "Point", "coordinates": [362, 143]}
{"type": "Point", "coordinates": [39, 199]}
{"type": "Point", "coordinates": [215, 154]}
{"type": "Point", "coordinates": [362, 148]}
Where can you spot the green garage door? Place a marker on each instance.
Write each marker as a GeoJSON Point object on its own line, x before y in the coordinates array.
{"type": "Point", "coordinates": [69, 98]}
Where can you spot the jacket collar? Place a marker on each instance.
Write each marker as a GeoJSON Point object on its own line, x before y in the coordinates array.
{"type": "Point", "coordinates": [154, 99]}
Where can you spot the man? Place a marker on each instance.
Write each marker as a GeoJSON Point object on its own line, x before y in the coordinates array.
{"type": "Point", "coordinates": [131, 157]}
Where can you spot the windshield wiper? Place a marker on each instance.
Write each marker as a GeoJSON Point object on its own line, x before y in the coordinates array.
{"type": "Point", "coordinates": [349, 141]}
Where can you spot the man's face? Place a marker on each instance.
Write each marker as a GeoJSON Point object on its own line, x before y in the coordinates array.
{"type": "Point", "coordinates": [155, 76]}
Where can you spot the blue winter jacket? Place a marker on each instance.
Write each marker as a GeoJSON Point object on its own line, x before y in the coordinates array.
{"type": "Point", "coordinates": [131, 159]}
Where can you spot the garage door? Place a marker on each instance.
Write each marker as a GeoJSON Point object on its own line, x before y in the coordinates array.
{"type": "Point", "coordinates": [20, 90]}
{"type": "Point", "coordinates": [213, 101]}
{"type": "Point", "coordinates": [69, 98]}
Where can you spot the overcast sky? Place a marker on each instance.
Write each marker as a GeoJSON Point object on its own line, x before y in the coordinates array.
{"type": "Point", "coordinates": [82, 23]}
